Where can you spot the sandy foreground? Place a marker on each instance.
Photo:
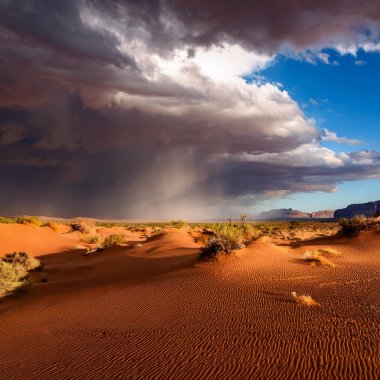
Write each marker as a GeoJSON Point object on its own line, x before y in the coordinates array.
{"type": "Point", "coordinates": [155, 312]}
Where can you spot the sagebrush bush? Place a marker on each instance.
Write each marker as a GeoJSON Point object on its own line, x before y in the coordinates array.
{"type": "Point", "coordinates": [113, 240]}
{"type": "Point", "coordinates": [12, 277]}
{"type": "Point", "coordinates": [353, 225]}
{"type": "Point", "coordinates": [24, 259]}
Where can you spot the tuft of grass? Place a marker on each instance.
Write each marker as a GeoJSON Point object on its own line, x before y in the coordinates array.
{"type": "Point", "coordinates": [224, 240]}
{"type": "Point", "coordinates": [303, 299]}
{"type": "Point", "coordinates": [23, 259]}
{"type": "Point", "coordinates": [113, 240]}
{"type": "Point", "coordinates": [316, 257]}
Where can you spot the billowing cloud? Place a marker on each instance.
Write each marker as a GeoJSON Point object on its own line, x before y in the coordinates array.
{"type": "Point", "coordinates": [138, 108]}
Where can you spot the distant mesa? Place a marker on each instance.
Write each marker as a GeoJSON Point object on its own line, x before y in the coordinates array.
{"type": "Point", "coordinates": [368, 209]}
{"type": "Point", "coordinates": [289, 213]}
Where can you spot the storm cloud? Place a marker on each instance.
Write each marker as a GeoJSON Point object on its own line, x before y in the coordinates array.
{"type": "Point", "coordinates": [138, 108]}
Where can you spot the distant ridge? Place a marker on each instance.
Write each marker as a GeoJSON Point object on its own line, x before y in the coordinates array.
{"type": "Point", "coordinates": [367, 209]}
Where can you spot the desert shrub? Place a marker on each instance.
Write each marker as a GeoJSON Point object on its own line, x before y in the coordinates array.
{"type": "Point", "coordinates": [225, 240]}
{"type": "Point", "coordinates": [113, 240]}
{"type": "Point", "coordinates": [23, 259]}
{"type": "Point", "coordinates": [250, 232]}
{"type": "Point", "coordinates": [316, 257]}
{"type": "Point", "coordinates": [178, 224]}
{"type": "Point", "coordinates": [303, 299]}
{"type": "Point", "coordinates": [156, 231]}
{"type": "Point", "coordinates": [81, 227]}
{"type": "Point", "coordinates": [12, 277]}
{"type": "Point", "coordinates": [353, 225]}
{"type": "Point", "coordinates": [92, 239]}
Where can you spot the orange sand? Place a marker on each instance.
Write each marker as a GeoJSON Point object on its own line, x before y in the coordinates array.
{"type": "Point", "coordinates": [155, 312]}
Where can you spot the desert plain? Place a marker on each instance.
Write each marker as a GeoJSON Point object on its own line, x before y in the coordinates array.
{"type": "Point", "coordinates": [151, 308]}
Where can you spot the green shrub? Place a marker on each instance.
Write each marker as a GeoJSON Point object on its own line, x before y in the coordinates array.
{"type": "Point", "coordinates": [23, 259]}
{"type": "Point", "coordinates": [225, 240]}
{"type": "Point", "coordinates": [113, 240]}
{"type": "Point", "coordinates": [353, 225]}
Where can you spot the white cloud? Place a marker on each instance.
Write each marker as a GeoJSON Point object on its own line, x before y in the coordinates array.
{"type": "Point", "coordinates": [332, 136]}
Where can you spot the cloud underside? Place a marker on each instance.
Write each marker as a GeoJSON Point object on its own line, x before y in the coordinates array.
{"type": "Point", "coordinates": [138, 109]}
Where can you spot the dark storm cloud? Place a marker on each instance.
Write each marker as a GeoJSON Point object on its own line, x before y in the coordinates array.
{"type": "Point", "coordinates": [91, 124]}
{"type": "Point", "coordinates": [272, 23]}
{"type": "Point", "coordinates": [57, 25]}
{"type": "Point", "coordinates": [259, 25]}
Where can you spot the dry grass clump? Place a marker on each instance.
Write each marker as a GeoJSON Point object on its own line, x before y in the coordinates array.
{"type": "Point", "coordinates": [53, 226]}
{"type": "Point", "coordinates": [304, 299]}
{"type": "Point", "coordinates": [92, 239]}
{"type": "Point", "coordinates": [14, 268]}
{"type": "Point", "coordinates": [81, 227]}
{"type": "Point", "coordinates": [329, 251]}
{"type": "Point", "coordinates": [316, 257]}
{"type": "Point", "coordinates": [113, 240]}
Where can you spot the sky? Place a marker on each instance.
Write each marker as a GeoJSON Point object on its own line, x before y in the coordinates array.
{"type": "Point", "coordinates": [187, 109]}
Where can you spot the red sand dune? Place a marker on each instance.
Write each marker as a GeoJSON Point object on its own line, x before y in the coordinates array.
{"type": "Point", "coordinates": [149, 312]}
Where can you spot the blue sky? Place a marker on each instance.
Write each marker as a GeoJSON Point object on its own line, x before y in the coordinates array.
{"type": "Point", "coordinates": [342, 96]}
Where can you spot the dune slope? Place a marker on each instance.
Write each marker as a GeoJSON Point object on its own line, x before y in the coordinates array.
{"type": "Point", "coordinates": [228, 319]}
